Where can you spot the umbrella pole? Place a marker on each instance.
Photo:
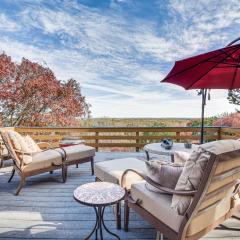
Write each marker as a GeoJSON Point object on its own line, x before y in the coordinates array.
{"type": "Point", "coordinates": [204, 94]}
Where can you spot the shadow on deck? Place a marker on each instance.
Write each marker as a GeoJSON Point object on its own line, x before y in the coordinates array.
{"type": "Point", "coordinates": [45, 209]}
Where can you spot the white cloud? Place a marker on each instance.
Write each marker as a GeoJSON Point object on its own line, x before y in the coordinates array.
{"type": "Point", "coordinates": [6, 24]}
{"type": "Point", "coordinates": [124, 60]}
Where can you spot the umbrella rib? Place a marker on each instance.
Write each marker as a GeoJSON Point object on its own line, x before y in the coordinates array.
{"type": "Point", "coordinates": [235, 74]}
{"type": "Point", "coordinates": [188, 68]}
{"type": "Point", "coordinates": [228, 64]}
{"type": "Point", "coordinates": [208, 71]}
{"type": "Point", "coordinates": [235, 60]}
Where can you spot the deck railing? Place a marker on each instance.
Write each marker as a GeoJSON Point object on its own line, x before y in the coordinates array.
{"type": "Point", "coordinates": [127, 138]}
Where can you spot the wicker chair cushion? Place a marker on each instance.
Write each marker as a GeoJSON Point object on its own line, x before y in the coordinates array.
{"type": "Point", "coordinates": [194, 169]}
{"type": "Point", "coordinates": [166, 174]}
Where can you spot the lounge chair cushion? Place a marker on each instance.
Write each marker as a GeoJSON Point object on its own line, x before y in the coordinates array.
{"type": "Point", "coordinates": [112, 170]}
{"type": "Point", "coordinates": [164, 173]}
{"type": "Point", "coordinates": [43, 160]}
{"type": "Point", "coordinates": [194, 169]}
{"type": "Point", "coordinates": [77, 152]}
{"type": "Point", "coordinates": [181, 157]}
{"type": "Point", "coordinates": [20, 144]}
{"type": "Point", "coordinates": [158, 204]}
{"type": "Point", "coordinates": [32, 145]}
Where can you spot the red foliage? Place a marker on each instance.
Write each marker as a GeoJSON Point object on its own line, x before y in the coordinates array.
{"type": "Point", "coordinates": [30, 94]}
{"type": "Point", "coordinates": [229, 120]}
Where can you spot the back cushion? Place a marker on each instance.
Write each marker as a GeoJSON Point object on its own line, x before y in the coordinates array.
{"type": "Point", "coordinates": [32, 144]}
{"type": "Point", "coordinates": [194, 169]}
{"type": "Point", "coordinates": [19, 143]}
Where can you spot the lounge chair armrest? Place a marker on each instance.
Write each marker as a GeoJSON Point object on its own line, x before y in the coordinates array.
{"type": "Point", "coordinates": [22, 152]}
{"type": "Point", "coordinates": [163, 189]}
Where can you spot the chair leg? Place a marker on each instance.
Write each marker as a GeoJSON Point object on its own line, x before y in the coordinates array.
{"type": "Point", "coordinates": [64, 173]}
{"type": "Point", "coordinates": [20, 186]}
{"type": "Point", "coordinates": [118, 215]}
{"type": "Point", "coordinates": [12, 174]}
{"type": "Point", "coordinates": [126, 216]}
{"type": "Point", "coordinates": [92, 165]}
{"type": "Point", "coordinates": [77, 165]}
{"type": "Point", "coordinates": [1, 162]}
{"type": "Point", "coordinates": [51, 172]}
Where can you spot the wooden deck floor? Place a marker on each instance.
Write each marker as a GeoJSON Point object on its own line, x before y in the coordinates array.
{"type": "Point", "coordinates": [45, 209]}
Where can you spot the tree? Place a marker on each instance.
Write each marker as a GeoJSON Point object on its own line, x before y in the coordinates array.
{"type": "Point", "coordinates": [228, 120]}
{"type": "Point", "coordinates": [234, 97]}
{"type": "Point", "coordinates": [30, 94]}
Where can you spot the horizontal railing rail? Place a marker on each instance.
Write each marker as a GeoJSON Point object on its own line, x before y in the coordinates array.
{"type": "Point", "coordinates": [129, 138]}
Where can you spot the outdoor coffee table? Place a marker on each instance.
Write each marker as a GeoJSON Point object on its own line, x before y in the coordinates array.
{"type": "Point", "coordinates": [156, 148]}
{"type": "Point", "coordinates": [99, 195]}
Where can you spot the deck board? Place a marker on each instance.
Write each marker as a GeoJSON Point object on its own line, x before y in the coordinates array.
{"type": "Point", "coordinates": [45, 209]}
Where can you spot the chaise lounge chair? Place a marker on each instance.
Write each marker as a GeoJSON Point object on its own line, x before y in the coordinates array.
{"type": "Point", "coordinates": [216, 196]}
{"type": "Point", "coordinates": [4, 155]}
{"type": "Point", "coordinates": [30, 160]}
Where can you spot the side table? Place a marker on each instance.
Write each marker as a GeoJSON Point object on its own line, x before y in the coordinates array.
{"type": "Point", "coordinates": [99, 195]}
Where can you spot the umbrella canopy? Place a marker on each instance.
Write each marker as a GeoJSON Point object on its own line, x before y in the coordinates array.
{"type": "Point", "coordinates": [219, 69]}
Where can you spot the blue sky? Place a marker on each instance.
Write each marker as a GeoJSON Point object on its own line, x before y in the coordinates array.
{"type": "Point", "coordinates": [119, 50]}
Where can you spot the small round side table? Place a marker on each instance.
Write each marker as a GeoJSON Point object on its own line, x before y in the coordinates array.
{"type": "Point", "coordinates": [99, 195]}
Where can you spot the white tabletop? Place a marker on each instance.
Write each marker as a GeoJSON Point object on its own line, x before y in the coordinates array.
{"type": "Point", "coordinates": [156, 148]}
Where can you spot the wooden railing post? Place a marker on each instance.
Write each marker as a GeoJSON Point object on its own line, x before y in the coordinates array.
{"type": "Point", "coordinates": [219, 133]}
{"type": "Point", "coordinates": [96, 140]}
{"type": "Point", "coordinates": [137, 141]}
{"type": "Point", "coordinates": [178, 136]}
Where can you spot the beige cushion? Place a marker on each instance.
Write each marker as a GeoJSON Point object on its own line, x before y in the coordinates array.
{"type": "Point", "coordinates": [77, 152]}
{"type": "Point", "coordinates": [158, 204]}
{"type": "Point", "coordinates": [19, 143]}
{"type": "Point", "coordinates": [164, 173]}
{"type": "Point", "coordinates": [43, 160]}
{"type": "Point", "coordinates": [14, 140]}
{"type": "Point", "coordinates": [194, 169]}
{"type": "Point", "coordinates": [111, 171]}
{"type": "Point", "coordinates": [181, 157]}
{"type": "Point", "coordinates": [32, 145]}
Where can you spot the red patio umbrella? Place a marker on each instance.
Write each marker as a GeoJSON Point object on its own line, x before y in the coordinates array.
{"type": "Point", "coordinates": [219, 69]}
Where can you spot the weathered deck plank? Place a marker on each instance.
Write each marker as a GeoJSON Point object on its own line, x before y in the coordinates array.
{"type": "Point", "coordinates": [45, 208]}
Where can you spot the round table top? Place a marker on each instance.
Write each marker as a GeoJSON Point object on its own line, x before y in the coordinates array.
{"type": "Point", "coordinates": [99, 193]}
{"type": "Point", "coordinates": [156, 148]}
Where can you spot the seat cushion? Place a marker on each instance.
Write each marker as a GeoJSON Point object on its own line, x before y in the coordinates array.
{"type": "Point", "coordinates": [43, 160]}
{"type": "Point", "coordinates": [158, 204]}
{"type": "Point", "coordinates": [111, 171]}
{"type": "Point", "coordinates": [77, 152]}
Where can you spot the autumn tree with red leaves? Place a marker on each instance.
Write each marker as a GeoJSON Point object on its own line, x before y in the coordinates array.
{"type": "Point", "coordinates": [30, 94]}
